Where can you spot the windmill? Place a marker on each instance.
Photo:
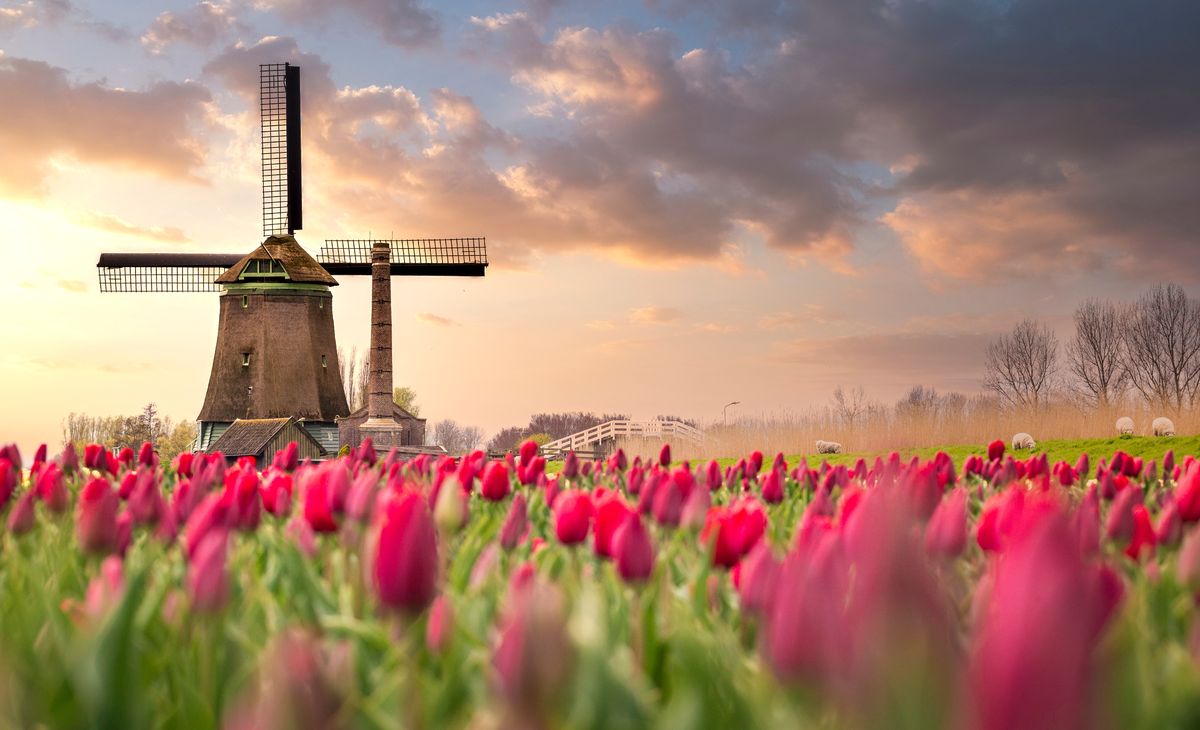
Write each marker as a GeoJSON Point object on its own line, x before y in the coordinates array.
{"type": "Point", "coordinates": [276, 353]}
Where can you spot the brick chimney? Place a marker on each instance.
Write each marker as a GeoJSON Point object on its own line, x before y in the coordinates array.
{"type": "Point", "coordinates": [379, 382]}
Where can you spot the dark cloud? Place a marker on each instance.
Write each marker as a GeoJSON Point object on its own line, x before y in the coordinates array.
{"type": "Point", "coordinates": [155, 130]}
{"type": "Point", "coordinates": [404, 23]}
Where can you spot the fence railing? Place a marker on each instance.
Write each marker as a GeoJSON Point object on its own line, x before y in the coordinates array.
{"type": "Point", "coordinates": [614, 430]}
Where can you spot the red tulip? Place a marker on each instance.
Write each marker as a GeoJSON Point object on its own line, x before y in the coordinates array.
{"type": "Point", "coordinates": [664, 456]}
{"type": "Point", "coordinates": [515, 523]}
{"type": "Point", "coordinates": [946, 533]}
{"type": "Point", "coordinates": [995, 450]}
{"type": "Point", "coordinates": [125, 456]}
{"type": "Point", "coordinates": [713, 478]}
{"type": "Point", "coordinates": [572, 517]}
{"type": "Point", "coordinates": [146, 503]}
{"type": "Point", "coordinates": [1187, 494]}
{"type": "Point", "coordinates": [207, 581]}
{"type": "Point", "coordinates": [94, 457]}
{"type": "Point", "coordinates": [277, 493]}
{"type": "Point", "coordinates": [529, 449]}
{"type": "Point", "coordinates": [69, 459]}
{"type": "Point", "coordinates": [772, 489]}
{"type": "Point", "coordinates": [287, 458]}
{"type": "Point", "coordinates": [318, 506]}
{"type": "Point", "coordinates": [733, 530]}
{"type": "Point", "coordinates": [1142, 542]}
{"type": "Point", "coordinates": [611, 513]}
{"type": "Point", "coordinates": [183, 464]}
{"type": "Point", "coordinates": [52, 489]}
{"type": "Point", "coordinates": [633, 550]}
{"type": "Point", "coordinates": [406, 555]}
{"type": "Point", "coordinates": [96, 524]}
{"type": "Point", "coordinates": [39, 457]}
{"type": "Point", "coordinates": [570, 465]}
{"type": "Point", "coordinates": [495, 485]}
{"type": "Point", "coordinates": [8, 482]}
{"type": "Point", "coordinates": [531, 472]}
{"type": "Point", "coordinates": [146, 455]}
{"type": "Point", "coordinates": [695, 509]}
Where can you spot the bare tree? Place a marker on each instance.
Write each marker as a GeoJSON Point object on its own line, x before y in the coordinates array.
{"type": "Point", "coordinates": [1162, 347]}
{"type": "Point", "coordinates": [455, 439]}
{"type": "Point", "coordinates": [355, 375]}
{"type": "Point", "coordinates": [1095, 354]}
{"type": "Point", "coordinates": [849, 406]}
{"type": "Point", "coordinates": [1020, 366]}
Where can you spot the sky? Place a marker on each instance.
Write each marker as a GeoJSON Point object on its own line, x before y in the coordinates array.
{"type": "Point", "coordinates": [686, 202]}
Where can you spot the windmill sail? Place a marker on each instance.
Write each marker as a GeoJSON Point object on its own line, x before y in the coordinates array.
{"type": "Point", "coordinates": [279, 106]}
{"type": "Point", "coordinates": [162, 272]}
{"type": "Point", "coordinates": [409, 256]}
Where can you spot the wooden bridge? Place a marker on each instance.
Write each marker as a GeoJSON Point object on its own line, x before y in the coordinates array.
{"type": "Point", "coordinates": [600, 439]}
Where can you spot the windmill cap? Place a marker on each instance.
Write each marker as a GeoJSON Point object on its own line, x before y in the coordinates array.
{"type": "Point", "coordinates": [300, 267]}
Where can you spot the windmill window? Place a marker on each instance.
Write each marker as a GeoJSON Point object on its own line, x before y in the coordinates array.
{"type": "Point", "coordinates": [262, 267]}
{"type": "Point", "coordinates": [324, 362]}
{"type": "Point", "coordinates": [245, 359]}
{"type": "Point", "coordinates": [245, 301]}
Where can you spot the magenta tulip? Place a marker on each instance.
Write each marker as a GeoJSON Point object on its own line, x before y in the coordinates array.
{"type": "Point", "coordinates": [405, 562]}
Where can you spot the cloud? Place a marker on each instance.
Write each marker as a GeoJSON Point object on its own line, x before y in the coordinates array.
{"type": "Point", "coordinates": [33, 13]}
{"type": "Point", "coordinates": [404, 23]}
{"type": "Point", "coordinates": [805, 314]}
{"type": "Point", "coordinates": [911, 356]}
{"type": "Point", "coordinates": [436, 320]}
{"type": "Point", "coordinates": [114, 224]}
{"type": "Point", "coordinates": [654, 315]}
{"type": "Point", "coordinates": [204, 24]}
{"type": "Point", "coordinates": [71, 285]}
{"type": "Point", "coordinates": [153, 131]}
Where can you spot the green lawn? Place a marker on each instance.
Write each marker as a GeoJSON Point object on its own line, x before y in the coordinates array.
{"type": "Point", "coordinates": [1147, 447]}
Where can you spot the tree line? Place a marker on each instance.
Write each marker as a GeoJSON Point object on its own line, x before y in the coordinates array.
{"type": "Point", "coordinates": [1149, 348]}
{"type": "Point", "coordinates": [117, 432]}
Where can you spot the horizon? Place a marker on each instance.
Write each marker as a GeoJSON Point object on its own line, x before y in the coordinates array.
{"type": "Point", "coordinates": [685, 204]}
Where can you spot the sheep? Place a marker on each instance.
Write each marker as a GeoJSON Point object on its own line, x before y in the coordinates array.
{"type": "Point", "coordinates": [828, 447]}
{"type": "Point", "coordinates": [1163, 426]}
{"type": "Point", "coordinates": [1125, 426]}
{"type": "Point", "coordinates": [1023, 441]}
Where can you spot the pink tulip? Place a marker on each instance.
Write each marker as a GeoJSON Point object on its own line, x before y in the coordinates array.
{"type": "Point", "coordinates": [1032, 666]}
{"type": "Point", "coordinates": [946, 533]}
{"type": "Point", "coordinates": [1187, 493]}
{"type": "Point", "coordinates": [633, 550]}
{"type": "Point", "coordinates": [1169, 529]}
{"type": "Point", "coordinates": [664, 456]}
{"type": "Point", "coordinates": [207, 579]}
{"type": "Point", "coordinates": [213, 514]}
{"type": "Point", "coordinates": [22, 518]}
{"type": "Point", "coordinates": [668, 503]}
{"type": "Point", "coordinates": [534, 657]}
{"type": "Point", "coordinates": [515, 524]}
{"type": "Point", "coordinates": [772, 489]}
{"type": "Point", "coordinates": [695, 509]}
{"type": "Point", "coordinates": [1120, 522]}
{"type": "Point", "coordinates": [146, 503]}
{"type": "Point", "coordinates": [758, 580]}
{"type": "Point", "coordinates": [318, 506]}
{"type": "Point", "coordinates": [611, 513]}
{"type": "Point", "coordinates": [440, 629]}
{"type": "Point", "coordinates": [1188, 567]}
{"type": "Point", "coordinates": [69, 459]}
{"type": "Point", "coordinates": [570, 468]}
{"type": "Point", "coordinates": [406, 555]}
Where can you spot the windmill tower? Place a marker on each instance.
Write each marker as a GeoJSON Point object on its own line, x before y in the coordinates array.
{"type": "Point", "coordinates": [276, 352]}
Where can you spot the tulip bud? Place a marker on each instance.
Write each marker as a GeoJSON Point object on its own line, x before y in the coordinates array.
{"type": "Point", "coordinates": [529, 449]}
{"type": "Point", "coordinates": [772, 489]}
{"type": "Point", "coordinates": [1119, 525]}
{"type": "Point", "coordinates": [946, 533]}
{"type": "Point", "coordinates": [759, 579]}
{"type": "Point", "coordinates": [664, 456]}
{"type": "Point", "coordinates": [405, 560]}
{"type": "Point", "coordinates": [8, 482]}
{"type": "Point", "coordinates": [995, 450]}
{"type": "Point", "coordinates": [1170, 527]}
{"type": "Point", "coordinates": [96, 525]}
{"type": "Point", "coordinates": [52, 489]}
{"type": "Point", "coordinates": [440, 628]}
{"type": "Point", "coordinates": [22, 518]}
{"type": "Point", "coordinates": [450, 509]}
{"type": "Point", "coordinates": [69, 459]}
{"type": "Point", "coordinates": [515, 523]}
{"type": "Point", "coordinates": [668, 503]}
{"type": "Point", "coordinates": [633, 550]}
{"type": "Point", "coordinates": [695, 509]}
{"type": "Point", "coordinates": [570, 465]}
{"type": "Point", "coordinates": [318, 506]}
{"type": "Point", "coordinates": [495, 485]}
{"type": "Point", "coordinates": [1188, 568]}
{"type": "Point", "coordinates": [572, 517]}
{"type": "Point", "coordinates": [1141, 543]}
{"type": "Point", "coordinates": [207, 582]}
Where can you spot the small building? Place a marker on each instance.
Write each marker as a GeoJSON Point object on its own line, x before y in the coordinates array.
{"type": "Point", "coordinates": [262, 437]}
{"type": "Point", "coordinates": [408, 430]}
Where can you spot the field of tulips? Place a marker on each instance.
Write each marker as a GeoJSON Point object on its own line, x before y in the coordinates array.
{"type": "Point", "coordinates": [994, 593]}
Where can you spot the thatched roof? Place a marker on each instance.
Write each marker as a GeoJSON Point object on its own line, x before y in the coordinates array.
{"type": "Point", "coordinates": [300, 267]}
{"type": "Point", "coordinates": [248, 436]}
